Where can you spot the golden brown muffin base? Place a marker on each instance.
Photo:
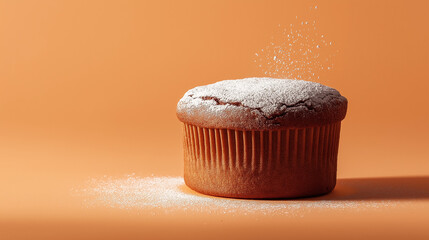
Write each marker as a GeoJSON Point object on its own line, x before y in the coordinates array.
{"type": "Point", "coordinates": [286, 163]}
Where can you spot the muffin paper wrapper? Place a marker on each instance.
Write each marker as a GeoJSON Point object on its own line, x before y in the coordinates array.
{"type": "Point", "coordinates": [264, 161]}
{"type": "Point", "coordinates": [257, 151]}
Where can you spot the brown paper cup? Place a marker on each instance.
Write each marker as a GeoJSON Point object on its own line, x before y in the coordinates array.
{"type": "Point", "coordinates": [287, 163]}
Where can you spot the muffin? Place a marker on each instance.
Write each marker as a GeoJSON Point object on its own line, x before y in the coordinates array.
{"type": "Point", "coordinates": [261, 138]}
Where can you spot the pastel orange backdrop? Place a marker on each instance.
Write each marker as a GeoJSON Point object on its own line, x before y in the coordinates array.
{"type": "Point", "coordinates": [89, 88]}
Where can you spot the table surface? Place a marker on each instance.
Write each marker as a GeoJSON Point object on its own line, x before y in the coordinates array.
{"type": "Point", "coordinates": [79, 202]}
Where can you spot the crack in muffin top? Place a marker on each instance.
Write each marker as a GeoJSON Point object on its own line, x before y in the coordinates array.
{"type": "Point", "coordinates": [261, 103]}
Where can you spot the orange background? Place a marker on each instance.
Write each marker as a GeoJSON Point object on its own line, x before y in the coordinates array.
{"type": "Point", "coordinates": [89, 88]}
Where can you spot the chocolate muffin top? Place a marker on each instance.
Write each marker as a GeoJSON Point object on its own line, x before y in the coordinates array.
{"type": "Point", "coordinates": [261, 104]}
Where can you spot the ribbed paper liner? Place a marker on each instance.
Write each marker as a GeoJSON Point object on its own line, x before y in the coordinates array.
{"type": "Point", "coordinates": [291, 162]}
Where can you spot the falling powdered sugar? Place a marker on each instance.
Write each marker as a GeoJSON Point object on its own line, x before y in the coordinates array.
{"type": "Point", "coordinates": [298, 52]}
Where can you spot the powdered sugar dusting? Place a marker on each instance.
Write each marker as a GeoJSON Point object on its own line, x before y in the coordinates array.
{"type": "Point", "coordinates": [171, 194]}
{"type": "Point", "coordinates": [271, 96]}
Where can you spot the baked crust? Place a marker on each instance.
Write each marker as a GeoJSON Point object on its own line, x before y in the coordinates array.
{"type": "Point", "coordinates": [261, 104]}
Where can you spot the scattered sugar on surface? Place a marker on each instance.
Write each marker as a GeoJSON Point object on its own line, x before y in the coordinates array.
{"type": "Point", "coordinates": [299, 51]}
{"type": "Point", "coordinates": [171, 195]}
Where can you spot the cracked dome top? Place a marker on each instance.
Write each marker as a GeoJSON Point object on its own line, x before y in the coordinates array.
{"type": "Point", "coordinates": [261, 104]}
